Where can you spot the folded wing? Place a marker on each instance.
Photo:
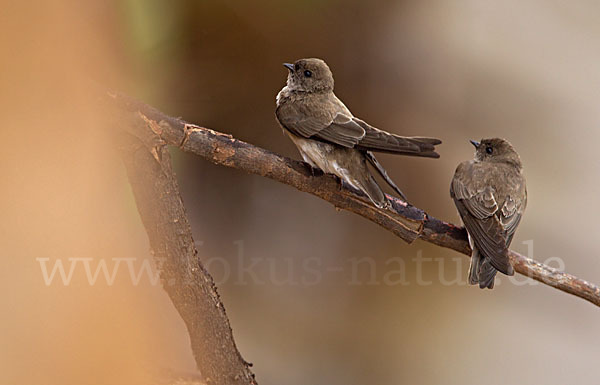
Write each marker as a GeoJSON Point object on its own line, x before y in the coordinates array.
{"type": "Point", "coordinates": [381, 141]}
{"type": "Point", "coordinates": [491, 227]}
{"type": "Point", "coordinates": [347, 131]}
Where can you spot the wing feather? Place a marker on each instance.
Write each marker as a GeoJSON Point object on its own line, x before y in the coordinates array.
{"type": "Point", "coordinates": [490, 224]}
{"type": "Point", "coordinates": [337, 125]}
{"type": "Point", "coordinates": [339, 128]}
{"type": "Point", "coordinates": [378, 140]}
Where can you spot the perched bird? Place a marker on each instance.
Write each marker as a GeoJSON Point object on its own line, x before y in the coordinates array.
{"type": "Point", "coordinates": [490, 195]}
{"type": "Point", "coordinates": [331, 139]}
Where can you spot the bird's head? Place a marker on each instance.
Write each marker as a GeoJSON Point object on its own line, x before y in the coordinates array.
{"type": "Point", "coordinates": [309, 75]}
{"type": "Point", "coordinates": [496, 150]}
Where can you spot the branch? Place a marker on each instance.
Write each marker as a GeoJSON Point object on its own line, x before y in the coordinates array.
{"type": "Point", "coordinates": [406, 221]}
{"type": "Point", "coordinates": [189, 286]}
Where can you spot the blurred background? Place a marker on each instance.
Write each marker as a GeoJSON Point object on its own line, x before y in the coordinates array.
{"type": "Point", "coordinates": [314, 295]}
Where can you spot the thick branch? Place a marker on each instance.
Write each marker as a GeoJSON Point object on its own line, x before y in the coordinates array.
{"type": "Point", "coordinates": [406, 221]}
{"type": "Point", "coordinates": [185, 280]}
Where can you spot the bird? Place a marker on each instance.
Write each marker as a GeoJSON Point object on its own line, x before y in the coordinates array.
{"type": "Point", "coordinates": [331, 139]}
{"type": "Point", "coordinates": [490, 194]}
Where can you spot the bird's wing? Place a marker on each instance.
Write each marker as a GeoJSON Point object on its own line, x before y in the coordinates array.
{"type": "Point", "coordinates": [491, 227]}
{"type": "Point", "coordinates": [378, 140]}
{"type": "Point", "coordinates": [512, 210]}
{"type": "Point", "coordinates": [324, 125]}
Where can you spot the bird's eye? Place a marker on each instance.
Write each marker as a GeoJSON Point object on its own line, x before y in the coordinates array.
{"type": "Point", "coordinates": [307, 73]}
{"type": "Point", "coordinates": [489, 149]}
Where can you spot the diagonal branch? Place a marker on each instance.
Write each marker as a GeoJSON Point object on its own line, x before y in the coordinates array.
{"type": "Point", "coordinates": [406, 221]}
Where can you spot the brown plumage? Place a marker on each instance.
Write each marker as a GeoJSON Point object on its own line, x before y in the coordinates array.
{"type": "Point", "coordinates": [490, 195]}
{"type": "Point", "coordinates": [330, 138]}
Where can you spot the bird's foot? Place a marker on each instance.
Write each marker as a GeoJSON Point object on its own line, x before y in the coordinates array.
{"type": "Point", "coordinates": [386, 204]}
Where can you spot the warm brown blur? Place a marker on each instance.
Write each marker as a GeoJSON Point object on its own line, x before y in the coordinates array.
{"type": "Point", "coordinates": [525, 71]}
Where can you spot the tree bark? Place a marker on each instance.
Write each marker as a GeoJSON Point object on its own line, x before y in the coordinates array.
{"type": "Point", "coordinates": [406, 221]}
{"type": "Point", "coordinates": [144, 134]}
{"type": "Point", "coordinates": [189, 286]}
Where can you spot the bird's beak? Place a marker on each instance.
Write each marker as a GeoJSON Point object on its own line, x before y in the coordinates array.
{"type": "Point", "coordinates": [474, 143]}
{"type": "Point", "coordinates": [289, 66]}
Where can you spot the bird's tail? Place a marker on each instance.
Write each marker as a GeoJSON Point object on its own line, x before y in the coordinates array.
{"type": "Point", "coordinates": [481, 271]}
{"type": "Point", "coordinates": [365, 183]}
{"type": "Point", "coordinates": [369, 186]}
{"type": "Point", "coordinates": [384, 174]}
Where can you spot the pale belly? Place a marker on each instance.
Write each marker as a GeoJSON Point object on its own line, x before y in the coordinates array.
{"type": "Point", "coordinates": [328, 158]}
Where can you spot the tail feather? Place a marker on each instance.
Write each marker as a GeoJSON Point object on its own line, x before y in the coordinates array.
{"type": "Point", "coordinates": [476, 260]}
{"type": "Point", "coordinates": [384, 174]}
{"type": "Point", "coordinates": [481, 271]}
{"type": "Point", "coordinates": [370, 187]}
{"type": "Point", "coordinates": [487, 275]}
{"type": "Point", "coordinates": [367, 185]}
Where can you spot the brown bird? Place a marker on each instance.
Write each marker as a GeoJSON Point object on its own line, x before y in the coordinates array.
{"type": "Point", "coordinates": [331, 139]}
{"type": "Point", "coordinates": [490, 195]}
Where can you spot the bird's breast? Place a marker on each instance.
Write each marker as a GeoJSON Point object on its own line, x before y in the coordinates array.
{"type": "Point", "coordinates": [283, 94]}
